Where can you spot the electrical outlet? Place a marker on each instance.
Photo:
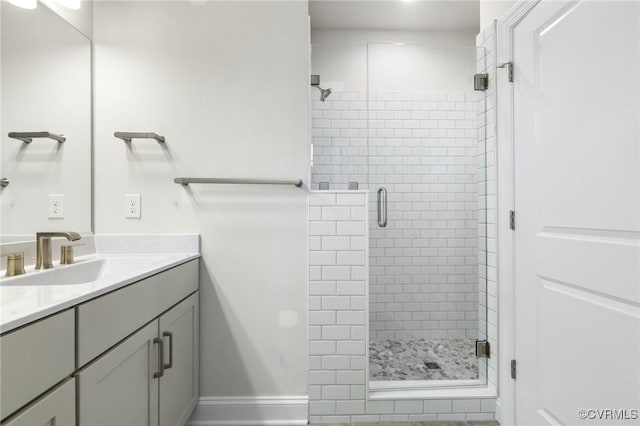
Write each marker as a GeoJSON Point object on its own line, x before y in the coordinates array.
{"type": "Point", "coordinates": [56, 206]}
{"type": "Point", "coordinates": [132, 206]}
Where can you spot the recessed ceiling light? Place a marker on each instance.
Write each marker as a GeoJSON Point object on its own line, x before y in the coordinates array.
{"type": "Point", "coordinates": [25, 4]}
{"type": "Point", "coordinates": [400, 44]}
{"type": "Point", "coordinates": [69, 4]}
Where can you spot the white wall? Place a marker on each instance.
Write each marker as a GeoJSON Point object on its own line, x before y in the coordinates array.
{"type": "Point", "coordinates": [411, 68]}
{"type": "Point", "coordinates": [227, 84]}
{"type": "Point", "coordinates": [342, 67]}
{"type": "Point", "coordinates": [433, 38]}
{"type": "Point", "coordinates": [81, 19]}
{"type": "Point", "coordinates": [493, 9]}
{"type": "Point", "coordinates": [430, 61]}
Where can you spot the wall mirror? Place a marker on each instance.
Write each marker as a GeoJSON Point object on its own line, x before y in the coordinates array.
{"type": "Point", "coordinates": [46, 126]}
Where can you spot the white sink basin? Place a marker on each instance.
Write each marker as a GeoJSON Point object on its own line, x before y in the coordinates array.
{"type": "Point", "coordinates": [78, 273]}
{"type": "Point", "coordinates": [86, 271]}
{"type": "Point", "coordinates": [121, 260]}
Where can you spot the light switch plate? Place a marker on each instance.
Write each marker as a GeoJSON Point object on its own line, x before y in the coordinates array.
{"type": "Point", "coordinates": [132, 206]}
{"type": "Point", "coordinates": [56, 206]}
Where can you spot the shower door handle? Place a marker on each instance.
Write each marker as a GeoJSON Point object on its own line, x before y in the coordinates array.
{"type": "Point", "coordinates": [382, 207]}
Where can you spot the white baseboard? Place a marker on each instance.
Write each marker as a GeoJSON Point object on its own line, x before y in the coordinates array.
{"type": "Point", "coordinates": [251, 411]}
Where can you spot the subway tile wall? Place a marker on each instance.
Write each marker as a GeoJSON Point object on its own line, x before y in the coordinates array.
{"type": "Point", "coordinates": [339, 133]}
{"type": "Point", "coordinates": [423, 148]}
{"type": "Point", "coordinates": [338, 355]}
{"type": "Point", "coordinates": [337, 324]}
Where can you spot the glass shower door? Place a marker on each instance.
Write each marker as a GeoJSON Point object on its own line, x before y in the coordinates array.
{"type": "Point", "coordinates": [426, 197]}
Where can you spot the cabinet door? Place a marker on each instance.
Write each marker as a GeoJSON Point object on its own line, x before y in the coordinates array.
{"type": "Point", "coordinates": [119, 387]}
{"type": "Point", "coordinates": [35, 358]}
{"type": "Point", "coordinates": [56, 408]}
{"type": "Point", "coordinates": [179, 387]}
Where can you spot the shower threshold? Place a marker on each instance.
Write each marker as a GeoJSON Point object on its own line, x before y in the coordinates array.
{"type": "Point", "coordinates": [388, 385]}
{"type": "Point", "coordinates": [431, 389]}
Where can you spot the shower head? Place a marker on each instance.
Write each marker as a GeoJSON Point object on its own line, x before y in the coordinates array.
{"type": "Point", "coordinates": [315, 82]}
{"type": "Point", "coordinates": [324, 93]}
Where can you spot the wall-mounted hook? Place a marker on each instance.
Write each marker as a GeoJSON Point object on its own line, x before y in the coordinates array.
{"type": "Point", "coordinates": [28, 137]}
{"type": "Point", "coordinates": [128, 136]}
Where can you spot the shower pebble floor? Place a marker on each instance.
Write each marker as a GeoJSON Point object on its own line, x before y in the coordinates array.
{"type": "Point", "coordinates": [423, 359]}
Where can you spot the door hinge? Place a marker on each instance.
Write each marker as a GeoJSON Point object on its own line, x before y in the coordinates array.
{"type": "Point", "coordinates": [480, 82]}
{"type": "Point", "coordinates": [509, 67]}
{"type": "Point", "coordinates": [512, 220]}
{"type": "Point", "coordinates": [513, 369]}
{"type": "Point", "coordinates": [483, 349]}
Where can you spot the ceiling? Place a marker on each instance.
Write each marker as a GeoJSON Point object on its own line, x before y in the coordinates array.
{"type": "Point", "coordinates": [403, 15]}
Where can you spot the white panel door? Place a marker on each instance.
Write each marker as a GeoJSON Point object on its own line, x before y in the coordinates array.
{"type": "Point", "coordinates": [577, 170]}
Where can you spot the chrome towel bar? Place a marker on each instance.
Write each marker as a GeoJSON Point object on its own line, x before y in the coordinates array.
{"type": "Point", "coordinates": [187, 181]}
{"type": "Point", "coordinates": [28, 137]}
{"type": "Point", "coordinates": [128, 136]}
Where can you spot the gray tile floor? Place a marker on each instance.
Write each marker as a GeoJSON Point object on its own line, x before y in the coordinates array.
{"type": "Point", "coordinates": [470, 423]}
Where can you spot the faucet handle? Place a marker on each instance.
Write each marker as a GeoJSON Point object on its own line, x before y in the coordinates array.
{"type": "Point", "coordinates": [66, 255]}
{"type": "Point", "coordinates": [15, 264]}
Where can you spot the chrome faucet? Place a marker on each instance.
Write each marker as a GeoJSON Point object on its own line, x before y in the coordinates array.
{"type": "Point", "coordinates": [43, 247]}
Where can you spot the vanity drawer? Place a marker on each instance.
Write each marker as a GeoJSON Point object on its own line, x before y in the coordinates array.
{"type": "Point", "coordinates": [105, 321]}
{"type": "Point", "coordinates": [57, 407]}
{"type": "Point", "coordinates": [34, 358]}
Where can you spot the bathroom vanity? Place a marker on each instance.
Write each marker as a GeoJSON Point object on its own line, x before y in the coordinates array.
{"type": "Point", "coordinates": [109, 340]}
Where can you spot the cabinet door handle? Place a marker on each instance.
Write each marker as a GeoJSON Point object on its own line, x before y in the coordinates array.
{"type": "Point", "coordinates": [160, 371]}
{"type": "Point", "coordinates": [170, 336]}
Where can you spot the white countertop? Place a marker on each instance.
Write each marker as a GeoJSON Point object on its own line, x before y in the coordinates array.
{"type": "Point", "coordinates": [38, 294]}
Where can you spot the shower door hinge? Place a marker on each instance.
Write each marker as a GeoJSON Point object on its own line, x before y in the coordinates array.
{"type": "Point", "coordinates": [480, 82]}
{"type": "Point", "coordinates": [509, 67]}
{"type": "Point", "coordinates": [512, 220]}
{"type": "Point", "coordinates": [483, 349]}
{"type": "Point", "coordinates": [513, 369]}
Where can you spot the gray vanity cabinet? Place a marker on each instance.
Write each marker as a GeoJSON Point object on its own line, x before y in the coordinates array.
{"type": "Point", "coordinates": [34, 359]}
{"type": "Point", "coordinates": [56, 408]}
{"type": "Point", "coordinates": [180, 384]}
{"type": "Point", "coordinates": [119, 388]}
{"type": "Point", "coordinates": [128, 357]}
{"type": "Point", "coordinates": [106, 320]}
{"type": "Point", "coordinates": [151, 378]}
